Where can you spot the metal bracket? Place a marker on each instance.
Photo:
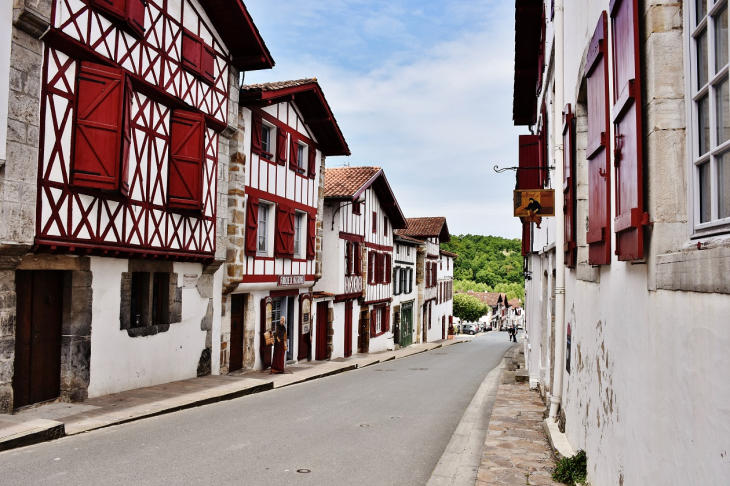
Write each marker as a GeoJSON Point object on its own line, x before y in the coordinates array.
{"type": "Point", "coordinates": [504, 169]}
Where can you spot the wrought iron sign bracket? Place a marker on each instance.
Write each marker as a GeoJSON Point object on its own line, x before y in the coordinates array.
{"type": "Point", "coordinates": [504, 169]}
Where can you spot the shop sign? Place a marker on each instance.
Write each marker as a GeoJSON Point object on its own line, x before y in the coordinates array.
{"type": "Point", "coordinates": [533, 204]}
{"type": "Point", "coordinates": [289, 280]}
{"type": "Point", "coordinates": [190, 281]}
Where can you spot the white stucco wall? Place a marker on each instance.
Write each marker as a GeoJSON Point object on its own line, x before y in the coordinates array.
{"type": "Point", "coordinates": [120, 362]}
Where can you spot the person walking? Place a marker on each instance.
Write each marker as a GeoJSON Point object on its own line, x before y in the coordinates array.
{"type": "Point", "coordinates": [280, 337]}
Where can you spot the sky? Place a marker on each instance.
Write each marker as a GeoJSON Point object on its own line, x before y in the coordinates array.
{"type": "Point", "coordinates": [421, 88]}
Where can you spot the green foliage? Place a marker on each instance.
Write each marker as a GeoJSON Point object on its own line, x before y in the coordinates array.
{"type": "Point", "coordinates": [489, 260]}
{"type": "Point", "coordinates": [572, 470]}
{"type": "Point", "coordinates": [469, 308]}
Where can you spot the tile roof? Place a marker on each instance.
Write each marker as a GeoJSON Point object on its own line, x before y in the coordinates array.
{"type": "Point", "coordinates": [277, 85]}
{"type": "Point", "coordinates": [489, 298]}
{"type": "Point", "coordinates": [344, 182]}
{"type": "Point", "coordinates": [408, 239]}
{"type": "Point", "coordinates": [448, 253]}
{"type": "Point", "coordinates": [515, 303]}
{"type": "Point", "coordinates": [427, 228]}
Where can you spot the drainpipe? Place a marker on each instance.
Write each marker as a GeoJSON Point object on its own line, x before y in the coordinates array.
{"type": "Point", "coordinates": [557, 386]}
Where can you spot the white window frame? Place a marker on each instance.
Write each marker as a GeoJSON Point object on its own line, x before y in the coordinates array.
{"type": "Point", "coordinates": [268, 230]}
{"type": "Point", "coordinates": [302, 149]}
{"type": "Point", "coordinates": [298, 218]}
{"type": "Point", "coordinates": [271, 143]}
{"type": "Point", "coordinates": [694, 92]}
{"type": "Point", "coordinates": [379, 320]}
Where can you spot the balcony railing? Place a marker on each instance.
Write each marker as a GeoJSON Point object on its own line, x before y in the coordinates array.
{"type": "Point", "coordinates": [353, 284]}
{"type": "Point", "coordinates": [430, 293]}
{"type": "Point", "coordinates": [432, 248]}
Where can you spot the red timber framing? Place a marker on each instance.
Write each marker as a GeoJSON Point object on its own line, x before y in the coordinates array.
{"type": "Point", "coordinates": [628, 157]}
{"type": "Point", "coordinates": [526, 239]}
{"type": "Point", "coordinates": [570, 249]}
{"type": "Point", "coordinates": [597, 152]}
{"type": "Point", "coordinates": [136, 218]}
{"type": "Point", "coordinates": [544, 136]}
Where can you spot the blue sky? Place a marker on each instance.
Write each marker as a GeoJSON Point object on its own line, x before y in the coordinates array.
{"type": "Point", "coordinates": [420, 88]}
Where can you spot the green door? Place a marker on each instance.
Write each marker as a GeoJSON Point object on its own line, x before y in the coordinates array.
{"type": "Point", "coordinates": [406, 326]}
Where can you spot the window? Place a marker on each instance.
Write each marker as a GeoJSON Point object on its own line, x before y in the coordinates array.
{"type": "Point", "coordinates": [385, 225]}
{"type": "Point", "coordinates": [149, 299]}
{"type": "Point", "coordinates": [301, 161]}
{"type": "Point", "coordinates": [379, 320]}
{"type": "Point", "coordinates": [298, 235]}
{"type": "Point", "coordinates": [375, 222]}
{"type": "Point", "coordinates": [130, 11]}
{"type": "Point", "coordinates": [197, 56]}
{"type": "Point", "coordinates": [263, 230]}
{"type": "Point", "coordinates": [356, 207]}
{"type": "Point", "coordinates": [266, 146]}
{"type": "Point", "coordinates": [396, 281]}
{"type": "Point", "coordinates": [711, 106]}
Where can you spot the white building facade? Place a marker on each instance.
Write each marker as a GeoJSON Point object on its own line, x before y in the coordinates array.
{"type": "Point", "coordinates": [405, 292]}
{"type": "Point", "coordinates": [275, 205]}
{"type": "Point", "coordinates": [630, 98]}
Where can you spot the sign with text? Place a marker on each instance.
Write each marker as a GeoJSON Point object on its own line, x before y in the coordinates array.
{"type": "Point", "coordinates": [190, 281]}
{"type": "Point", "coordinates": [289, 280]}
{"type": "Point", "coordinates": [533, 204]}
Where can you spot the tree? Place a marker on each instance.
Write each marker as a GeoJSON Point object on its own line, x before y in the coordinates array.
{"type": "Point", "coordinates": [468, 308]}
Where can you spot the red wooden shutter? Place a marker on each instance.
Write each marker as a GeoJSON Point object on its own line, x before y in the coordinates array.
{"type": "Point", "coordinates": [256, 128]}
{"type": "Point", "coordinates": [311, 237]}
{"type": "Point", "coordinates": [312, 163]}
{"type": "Point", "coordinates": [293, 153]}
{"type": "Point", "coordinates": [627, 119]}
{"type": "Point", "coordinates": [529, 156]}
{"type": "Point", "coordinates": [386, 318]}
{"type": "Point", "coordinates": [428, 274]}
{"type": "Point", "coordinates": [544, 156]}
{"type": "Point", "coordinates": [284, 239]}
{"type": "Point", "coordinates": [98, 137]}
{"type": "Point", "coordinates": [280, 146]}
{"type": "Point", "coordinates": [569, 249]}
{"type": "Point", "coordinates": [541, 54]}
{"type": "Point", "coordinates": [116, 8]}
{"type": "Point", "coordinates": [390, 268]}
{"type": "Point", "coordinates": [126, 135]}
{"type": "Point", "coordinates": [375, 222]}
{"type": "Point", "coordinates": [135, 16]}
{"type": "Point", "coordinates": [599, 174]}
{"type": "Point", "coordinates": [358, 259]}
{"type": "Point", "coordinates": [526, 239]}
{"type": "Point", "coordinates": [192, 52]}
{"type": "Point", "coordinates": [207, 63]}
{"type": "Point", "coordinates": [252, 225]}
{"type": "Point", "coordinates": [372, 322]}
{"type": "Point", "coordinates": [187, 139]}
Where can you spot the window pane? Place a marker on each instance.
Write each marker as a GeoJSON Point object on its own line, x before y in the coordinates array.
{"type": "Point", "coordinates": [702, 59]}
{"type": "Point", "coordinates": [721, 39]}
{"type": "Point", "coordinates": [705, 191]}
{"type": "Point", "coordinates": [722, 99]}
{"type": "Point", "coordinates": [701, 9]}
{"type": "Point", "coordinates": [703, 118]}
{"type": "Point", "coordinates": [723, 173]}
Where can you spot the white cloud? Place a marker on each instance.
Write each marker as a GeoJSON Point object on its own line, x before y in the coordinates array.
{"type": "Point", "coordinates": [437, 119]}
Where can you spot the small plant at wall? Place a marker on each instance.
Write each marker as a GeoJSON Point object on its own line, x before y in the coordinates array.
{"type": "Point", "coordinates": [572, 470]}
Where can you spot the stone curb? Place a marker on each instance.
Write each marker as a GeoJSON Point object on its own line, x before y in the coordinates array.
{"type": "Point", "coordinates": [56, 430]}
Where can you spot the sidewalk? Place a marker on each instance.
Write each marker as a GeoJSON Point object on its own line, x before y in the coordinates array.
{"type": "Point", "coordinates": [516, 451]}
{"type": "Point", "coordinates": [54, 420]}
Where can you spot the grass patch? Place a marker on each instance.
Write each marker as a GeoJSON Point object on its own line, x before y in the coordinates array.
{"type": "Point", "coordinates": [572, 470]}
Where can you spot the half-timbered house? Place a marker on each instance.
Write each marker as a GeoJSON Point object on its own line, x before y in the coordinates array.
{"type": "Point", "coordinates": [275, 203]}
{"type": "Point", "coordinates": [444, 311]}
{"type": "Point", "coordinates": [405, 292]}
{"type": "Point", "coordinates": [432, 322]}
{"type": "Point", "coordinates": [138, 103]}
{"type": "Point", "coordinates": [360, 214]}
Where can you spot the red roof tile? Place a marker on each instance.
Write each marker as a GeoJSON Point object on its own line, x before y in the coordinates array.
{"type": "Point", "coordinates": [427, 228]}
{"type": "Point", "coordinates": [448, 253]}
{"type": "Point", "coordinates": [345, 182]}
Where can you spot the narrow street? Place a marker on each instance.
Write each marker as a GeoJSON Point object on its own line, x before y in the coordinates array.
{"type": "Point", "coordinates": [398, 415]}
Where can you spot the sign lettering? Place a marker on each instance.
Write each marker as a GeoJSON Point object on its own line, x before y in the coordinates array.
{"type": "Point", "coordinates": [288, 280]}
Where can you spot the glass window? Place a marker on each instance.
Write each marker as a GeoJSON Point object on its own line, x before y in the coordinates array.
{"type": "Point", "coordinates": [266, 147]}
{"type": "Point", "coordinates": [263, 228]}
{"type": "Point", "coordinates": [297, 234]}
{"type": "Point", "coordinates": [300, 156]}
{"type": "Point", "coordinates": [711, 110]}
{"type": "Point", "coordinates": [379, 321]}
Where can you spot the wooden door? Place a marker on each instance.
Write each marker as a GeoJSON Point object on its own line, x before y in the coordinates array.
{"type": "Point", "coordinates": [267, 316]}
{"type": "Point", "coordinates": [321, 350]}
{"type": "Point", "coordinates": [236, 345]}
{"type": "Point", "coordinates": [348, 328]}
{"type": "Point", "coordinates": [37, 376]}
{"type": "Point", "coordinates": [426, 323]}
{"type": "Point", "coordinates": [363, 338]}
{"type": "Point", "coordinates": [443, 327]}
{"type": "Point", "coordinates": [406, 326]}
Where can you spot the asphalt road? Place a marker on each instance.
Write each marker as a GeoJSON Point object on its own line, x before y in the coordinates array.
{"type": "Point", "coordinates": [387, 424]}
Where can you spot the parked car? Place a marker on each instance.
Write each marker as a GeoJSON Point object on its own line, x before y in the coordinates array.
{"type": "Point", "coordinates": [469, 328]}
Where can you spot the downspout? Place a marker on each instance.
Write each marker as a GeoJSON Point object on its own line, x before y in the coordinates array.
{"type": "Point", "coordinates": [557, 386]}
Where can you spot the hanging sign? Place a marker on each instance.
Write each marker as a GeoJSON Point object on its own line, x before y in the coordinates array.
{"type": "Point", "coordinates": [534, 204]}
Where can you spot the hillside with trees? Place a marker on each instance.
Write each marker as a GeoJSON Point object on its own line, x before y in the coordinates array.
{"type": "Point", "coordinates": [487, 264]}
